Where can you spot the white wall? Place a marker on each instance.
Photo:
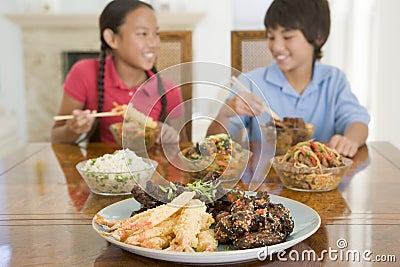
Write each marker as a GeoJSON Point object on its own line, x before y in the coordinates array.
{"type": "Point", "coordinates": [249, 14]}
{"type": "Point", "coordinates": [62, 6]}
{"type": "Point", "coordinates": [12, 93]}
{"type": "Point", "coordinates": [364, 43]}
{"type": "Point", "coordinates": [212, 45]}
{"type": "Point", "coordinates": [386, 86]}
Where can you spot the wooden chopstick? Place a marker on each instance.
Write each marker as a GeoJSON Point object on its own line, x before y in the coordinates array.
{"type": "Point", "coordinates": [94, 115]}
{"type": "Point", "coordinates": [241, 86]}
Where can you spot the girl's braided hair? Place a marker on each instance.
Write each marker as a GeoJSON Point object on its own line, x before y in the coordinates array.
{"type": "Point", "coordinates": [112, 17]}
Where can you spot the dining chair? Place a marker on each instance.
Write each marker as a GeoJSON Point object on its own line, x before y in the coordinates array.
{"type": "Point", "coordinates": [176, 48]}
{"type": "Point", "coordinates": [249, 50]}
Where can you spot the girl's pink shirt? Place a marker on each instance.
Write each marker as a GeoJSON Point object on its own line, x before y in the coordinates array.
{"type": "Point", "coordinates": [81, 84]}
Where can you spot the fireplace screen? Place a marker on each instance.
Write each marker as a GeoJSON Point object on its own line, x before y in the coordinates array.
{"type": "Point", "coordinates": [70, 57]}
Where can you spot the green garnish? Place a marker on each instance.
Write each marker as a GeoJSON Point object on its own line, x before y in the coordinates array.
{"type": "Point", "coordinates": [164, 189]}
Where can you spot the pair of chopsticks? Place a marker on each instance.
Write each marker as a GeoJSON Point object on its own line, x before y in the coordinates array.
{"type": "Point", "coordinates": [95, 115]}
{"type": "Point", "coordinates": [235, 81]}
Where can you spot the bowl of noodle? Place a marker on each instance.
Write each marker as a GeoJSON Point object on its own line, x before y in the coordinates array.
{"type": "Point", "coordinates": [312, 167]}
{"type": "Point", "coordinates": [138, 132]}
{"type": "Point", "coordinates": [134, 136]}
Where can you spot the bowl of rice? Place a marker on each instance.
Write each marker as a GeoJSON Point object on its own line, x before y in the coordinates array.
{"type": "Point", "coordinates": [117, 173]}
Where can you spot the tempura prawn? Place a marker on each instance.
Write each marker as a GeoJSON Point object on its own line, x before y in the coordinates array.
{"type": "Point", "coordinates": [165, 228]}
{"type": "Point", "coordinates": [192, 221]}
{"type": "Point", "coordinates": [207, 242]}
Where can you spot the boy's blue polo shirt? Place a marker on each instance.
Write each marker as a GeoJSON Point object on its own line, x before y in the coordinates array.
{"type": "Point", "coordinates": [327, 102]}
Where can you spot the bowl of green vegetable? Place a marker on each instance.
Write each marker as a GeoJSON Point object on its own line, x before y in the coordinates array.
{"type": "Point", "coordinates": [217, 156]}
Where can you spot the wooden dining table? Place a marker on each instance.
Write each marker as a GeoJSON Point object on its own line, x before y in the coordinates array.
{"type": "Point", "coordinates": [46, 211]}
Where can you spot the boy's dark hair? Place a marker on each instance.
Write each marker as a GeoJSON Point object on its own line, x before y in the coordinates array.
{"type": "Point", "coordinates": [311, 17]}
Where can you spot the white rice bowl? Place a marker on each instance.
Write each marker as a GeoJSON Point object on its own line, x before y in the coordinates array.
{"type": "Point", "coordinates": [117, 173]}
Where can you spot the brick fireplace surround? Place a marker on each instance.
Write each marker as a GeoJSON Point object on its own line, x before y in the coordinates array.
{"type": "Point", "coordinates": [45, 38]}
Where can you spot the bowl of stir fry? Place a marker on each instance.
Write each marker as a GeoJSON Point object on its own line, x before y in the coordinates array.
{"type": "Point", "coordinates": [138, 132]}
{"type": "Point", "coordinates": [134, 136]}
{"type": "Point", "coordinates": [215, 157]}
{"type": "Point", "coordinates": [311, 166]}
{"type": "Point", "coordinates": [287, 133]}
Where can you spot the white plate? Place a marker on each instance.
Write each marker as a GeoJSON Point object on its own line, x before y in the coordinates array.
{"type": "Point", "coordinates": [306, 223]}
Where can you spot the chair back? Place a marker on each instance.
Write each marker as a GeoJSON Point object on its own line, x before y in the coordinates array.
{"type": "Point", "coordinates": [249, 50]}
{"type": "Point", "coordinates": [175, 48]}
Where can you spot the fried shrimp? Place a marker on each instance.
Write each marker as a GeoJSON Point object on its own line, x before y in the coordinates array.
{"type": "Point", "coordinates": [207, 241]}
{"type": "Point", "coordinates": [158, 242]}
{"type": "Point", "coordinates": [132, 223]}
{"type": "Point", "coordinates": [182, 225]}
{"type": "Point", "coordinates": [165, 228]}
{"type": "Point", "coordinates": [192, 221]}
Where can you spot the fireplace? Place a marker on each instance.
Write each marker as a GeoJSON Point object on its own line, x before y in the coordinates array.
{"type": "Point", "coordinates": [70, 57]}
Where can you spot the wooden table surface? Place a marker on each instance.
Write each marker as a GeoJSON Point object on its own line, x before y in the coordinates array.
{"type": "Point", "coordinates": [46, 211]}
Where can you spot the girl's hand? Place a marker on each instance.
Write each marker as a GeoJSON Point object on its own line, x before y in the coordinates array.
{"type": "Point", "coordinates": [168, 134]}
{"type": "Point", "coordinates": [343, 145]}
{"type": "Point", "coordinates": [82, 121]}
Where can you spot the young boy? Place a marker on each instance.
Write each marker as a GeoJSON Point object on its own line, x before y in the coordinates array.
{"type": "Point", "coordinates": [297, 84]}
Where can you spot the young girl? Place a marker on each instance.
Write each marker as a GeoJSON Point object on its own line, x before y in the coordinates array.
{"type": "Point", "coordinates": [129, 32]}
{"type": "Point", "coordinates": [297, 84]}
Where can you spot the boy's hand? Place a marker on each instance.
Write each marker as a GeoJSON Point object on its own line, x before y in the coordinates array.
{"type": "Point", "coordinates": [343, 145]}
{"type": "Point", "coordinates": [245, 103]}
